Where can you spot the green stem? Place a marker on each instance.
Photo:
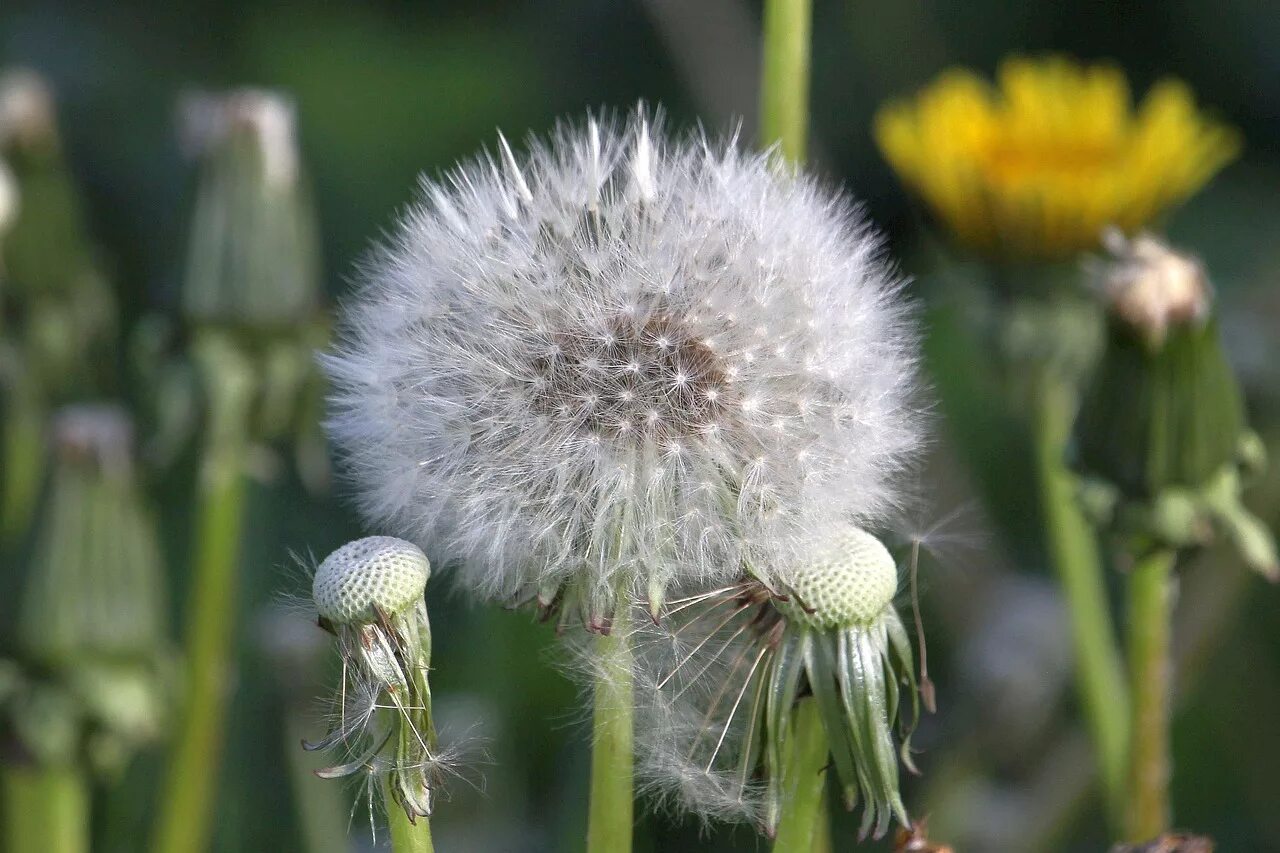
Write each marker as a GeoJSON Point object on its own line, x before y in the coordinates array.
{"type": "Point", "coordinates": [185, 820]}
{"type": "Point", "coordinates": [22, 460]}
{"type": "Point", "coordinates": [784, 83]}
{"type": "Point", "coordinates": [804, 760]}
{"type": "Point", "coordinates": [46, 810]}
{"type": "Point", "coordinates": [1073, 551]}
{"type": "Point", "coordinates": [1150, 616]}
{"type": "Point", "coordinates": [407, 837]}
{"type": "Point", "coordinates": [609, 821]}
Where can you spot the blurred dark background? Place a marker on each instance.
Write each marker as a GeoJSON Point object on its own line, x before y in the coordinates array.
{"type": "Point", "coordinates": [387, 91]}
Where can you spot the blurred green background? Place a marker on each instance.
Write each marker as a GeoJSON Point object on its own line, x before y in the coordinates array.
{"type": "Point", "coordinates": [386, 92]}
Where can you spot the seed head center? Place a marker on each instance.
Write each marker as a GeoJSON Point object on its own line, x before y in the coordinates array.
{"type": "Point", "coordinates": [655, 379]}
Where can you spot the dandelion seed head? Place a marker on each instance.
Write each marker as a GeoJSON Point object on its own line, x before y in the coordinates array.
{"type": "Point", "coordinates": [377, 573]}
{"type": "Point", "coordinates": [540, 332]}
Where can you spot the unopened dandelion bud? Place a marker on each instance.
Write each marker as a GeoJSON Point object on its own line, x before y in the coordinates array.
{"type": "Point", "coordinates": [1163, 417]}
{"type": "Point", "coordinates": [369, 593]}
{"type": "Point", "coordinates": [46, 250]}
{"type": "Point", "coordinates": [91, 628]}
{"type": "Point", "coordinates": [57, 304]}
{"type": "Point", "coordinates": [253, 259]}
{"type": "Point", "coordinates": [1164, 409]}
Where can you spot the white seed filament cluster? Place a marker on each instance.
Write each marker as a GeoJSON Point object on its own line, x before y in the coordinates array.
{"type": "Point", "coordinates": [624, 358]}
{"type": "Point", "coordinates": [850, 582]}
{"type": "Point", "coordinates": [377, 573]}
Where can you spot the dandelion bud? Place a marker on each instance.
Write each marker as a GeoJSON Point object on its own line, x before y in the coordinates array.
{"type": "Point", "coordinates": [252, 266]}
{"type": "Point", "coordinates": [369, 594]}
{"type": "Point", "coordinates": [92, 619]}
{"type": "Point", "coordinates": [55, 300]}
{"type": "Point", "coordinates": [252, 258]}
{"type": "Point", "coordinates": [1162, 423]}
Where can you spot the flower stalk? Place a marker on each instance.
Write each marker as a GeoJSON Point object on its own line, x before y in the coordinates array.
{"type": "Point", "coordinates": [187, 810]}
{"type": "Point", "coordinates": [407, 836]}
{"type": "Point", "coordinates": [805, 757]}
{"type": "Point", "coordinates": [784, 80]}
{"type": "Point", "coordinates": [1076, 558]}
{"type": "Point", "coordinates": [248, 295]}
{"type": "Point", "coordinates": [1151, 601]}
{"type": "Point", "coordinates": [46, 809]}
{"type": "Point", "coordinates": [611, 814]}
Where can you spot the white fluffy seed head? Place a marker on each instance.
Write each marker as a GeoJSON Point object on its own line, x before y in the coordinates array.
{"type": "Point", "coordinates": [624, 358]}
{"type": "Point", "coordinates": [367, 575]}
{"type": "Point", "coordinates": [849, 582]}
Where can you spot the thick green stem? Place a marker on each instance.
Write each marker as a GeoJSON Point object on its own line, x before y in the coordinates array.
{"type": "Point", "coordinates": [1073, 550]}
{"type": "Point", "coordinates": [407, 837]}
{"type": "Point", "coordinates": [1151, 598]}
{"type": "Point", "coordinates": [609, 821]}
{"type": "Point", "coordinates": [46, 810]}
{"type": "Point", "coordinates": [784, 82]}
{"type": "Point", "coordinates": [186, 816]}
{"type": "Point", "coordinates": [805, 757]}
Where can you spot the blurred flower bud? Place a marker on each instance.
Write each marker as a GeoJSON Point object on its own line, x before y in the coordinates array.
{"type": "Point", "coordinates": [57, 303]}
{"type": "Point", "coordinates": [91, 631]}
{"type": "Point", "coordinates": [1163, 418]}
{"type": "Point", "coordinates": [252, 257]}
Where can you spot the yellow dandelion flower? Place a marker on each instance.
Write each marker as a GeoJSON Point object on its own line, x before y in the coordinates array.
{"type": "Point", "coordinates": [1040, 165]}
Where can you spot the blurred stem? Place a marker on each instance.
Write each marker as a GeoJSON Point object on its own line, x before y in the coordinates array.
{"type": "Point", "coordinates": [610, 818]}
{"type": "Point", "coordinates": [784, 83]}
{"type": "Point", "coordinates": [46, 810]}
{"type": "Point", "coordinates": [407, 837]}
{"type": "Point", "coordinates": [1073, 550]}
{"type": "Point", "coordinates": [804, 782]}
{"type": "Point", "coordinates": [23, 454]}
{"type": "Point", "coordinates": [1150, 642]}
{"type": "Point", "coordinates": [192, 783]}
